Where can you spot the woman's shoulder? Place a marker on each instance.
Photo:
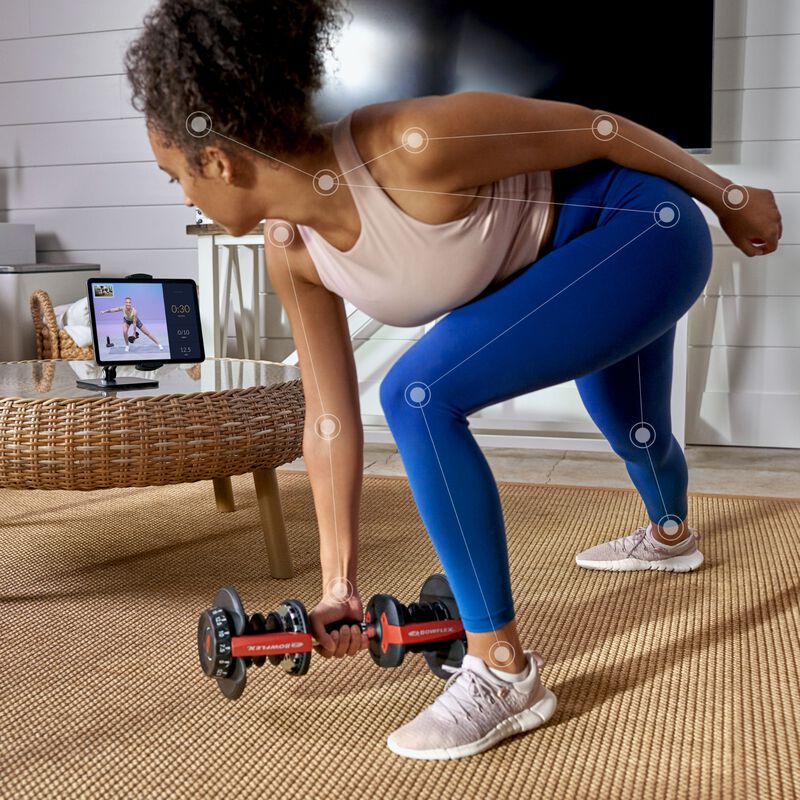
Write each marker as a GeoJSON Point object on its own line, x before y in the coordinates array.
{"type": "Point", "coordinates": [382, 129]}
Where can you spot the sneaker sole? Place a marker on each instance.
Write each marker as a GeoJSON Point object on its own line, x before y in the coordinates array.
{"type": "Point", "coordinates": [685, 563]}
{"type": "Point", "coordinates": [525, 720]}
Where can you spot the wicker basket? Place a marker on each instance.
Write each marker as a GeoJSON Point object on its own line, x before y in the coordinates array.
{"type": "Point", "coordinates": [52, 341]}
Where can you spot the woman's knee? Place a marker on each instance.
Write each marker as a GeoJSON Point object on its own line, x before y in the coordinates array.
{"type": "Point", "coordinates": [409, 386]}
{"type": "Point", "coordinates": [643, 444]}
{"type": "Point", "coordinates": [395, 386]}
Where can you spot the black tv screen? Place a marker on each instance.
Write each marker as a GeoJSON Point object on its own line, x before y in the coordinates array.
{"type": "Point", "coordinates": [616, 56]}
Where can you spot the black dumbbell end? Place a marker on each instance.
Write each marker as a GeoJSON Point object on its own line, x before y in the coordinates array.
{"type": "Point", "coordinates": [436, 593]}
{"type": "Point", "coordinates": [227, 598]}
{"type": "Point", "coordinates": [215, 629]}
{"type": "Point", "coordinates": [233, 686]}
{"type": "Point", "coordinates": [214, 643]}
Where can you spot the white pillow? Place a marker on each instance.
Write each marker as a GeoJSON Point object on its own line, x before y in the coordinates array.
{"type": "Point", "coordinates": [80, 334]}
{"type": "Point", "coordinates": [78, 313]}
{"type": "Point", "coordinates": [59, 311]}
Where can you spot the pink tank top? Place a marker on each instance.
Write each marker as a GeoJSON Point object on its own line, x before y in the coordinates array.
{"type": "Point", "coordinates": [405, 272]}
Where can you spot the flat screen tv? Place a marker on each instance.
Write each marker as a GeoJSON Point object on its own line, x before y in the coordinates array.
{"type": "Point", "coordinates": [650, 64]}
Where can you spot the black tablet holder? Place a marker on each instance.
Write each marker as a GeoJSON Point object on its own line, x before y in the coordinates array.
{"type": "Point", "coordinates": [110, 381]}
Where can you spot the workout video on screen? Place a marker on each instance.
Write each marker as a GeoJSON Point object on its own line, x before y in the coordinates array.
{"type": "Point", "coordinates": [147, 321]}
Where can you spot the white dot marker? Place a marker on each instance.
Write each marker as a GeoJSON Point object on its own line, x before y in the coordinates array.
{"type": "Point", "coordinates": [642, 434]}
{"type": "Point", "coordinates": [670, 527]}
{"type": "Point", "coordinates": [326, 182]}
{"type": "Point", "coordinates": [327, 426]}
{"type": "Point", "coordinates": [417, 394]}
{"type": "Point", "coordinates": [280, 234]}
{"type": "Point", "coordinates": [198, 124]}
{"type": "Point", "coordinates": [501, 653]}
{"type": "Point", "coordinates": [340, 589]}
{"type": "Point", "coordinates": [604, 127]}
{"type": "Point", "coordinates": [666, 214]}
{"type": "Point", "coordinates": [415, 140]}
{"type": "Point", "coordinates": [735, 196]}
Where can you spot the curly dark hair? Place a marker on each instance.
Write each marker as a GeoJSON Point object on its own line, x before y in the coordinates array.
{"type": "Point", "coordinates": [251, 65]}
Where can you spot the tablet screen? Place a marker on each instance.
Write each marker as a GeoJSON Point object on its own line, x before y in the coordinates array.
{"type": "Point", "coordinates": [136, 320]}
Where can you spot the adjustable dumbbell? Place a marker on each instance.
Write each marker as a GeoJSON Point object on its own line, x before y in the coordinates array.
{"type": "Point", "coordinates": [228, 641]}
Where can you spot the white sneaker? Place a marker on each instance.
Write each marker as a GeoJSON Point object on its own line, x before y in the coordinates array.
{"type": "Point", "coordinates": [475, 711]}
{"type": "Point", "coordinates": [639, 550]}
{"type": "Point", "coordinates": [127, 348]}
{"type": "Point", "coordinates": [161, 347]}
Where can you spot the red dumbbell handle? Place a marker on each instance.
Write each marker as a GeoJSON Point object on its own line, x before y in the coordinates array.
{"type": "Point", "coordinates": [280, 643]}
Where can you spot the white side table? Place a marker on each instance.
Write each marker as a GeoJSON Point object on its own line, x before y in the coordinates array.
{"type": "Point", "coordinates": [229, 270]}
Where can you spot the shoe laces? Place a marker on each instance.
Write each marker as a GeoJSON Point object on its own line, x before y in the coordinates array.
{"type": "Point", "coordinates": [464, 690]}
{"type": "Point", "coordinates": [627, 544]}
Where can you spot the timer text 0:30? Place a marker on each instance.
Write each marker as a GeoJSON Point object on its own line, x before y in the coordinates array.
{"type": "Point", "coordinates": [180, 309]}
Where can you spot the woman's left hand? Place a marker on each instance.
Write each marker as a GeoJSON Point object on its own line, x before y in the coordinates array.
{"type": "Point", "coordinates": [756, 227]}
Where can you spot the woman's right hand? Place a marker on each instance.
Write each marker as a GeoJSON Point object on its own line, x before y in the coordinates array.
{"type": "Point", "coordinates": [348, 639]}
{"type": "Point", "coordinates": [756, 227]}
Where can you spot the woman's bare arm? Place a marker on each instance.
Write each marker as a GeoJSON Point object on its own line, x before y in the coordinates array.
{"type": "Point", "coordinates": [476, 138]}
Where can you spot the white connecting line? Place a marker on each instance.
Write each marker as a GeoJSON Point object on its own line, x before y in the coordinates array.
{"type": "Point", "coordinates": [341, 592]}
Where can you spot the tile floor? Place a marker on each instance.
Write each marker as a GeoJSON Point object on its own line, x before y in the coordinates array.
{"type": "Point", "coordinates": [773, 472]}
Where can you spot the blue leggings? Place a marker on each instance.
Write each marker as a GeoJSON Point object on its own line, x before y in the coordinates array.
{"type": "Point", "coordinates": [629, 255]}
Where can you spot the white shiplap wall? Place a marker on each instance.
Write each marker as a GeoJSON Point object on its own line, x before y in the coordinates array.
{"type": "Point", "coordinates": [75, 161]}
{"type": "Point", "coordinates": [74, 155]}
{"type": "Point", "coordinates": [744, 333]}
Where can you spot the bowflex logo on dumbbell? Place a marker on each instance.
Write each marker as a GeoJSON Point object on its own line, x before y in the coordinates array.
{"type": "Point", "coordinates": [260, 648]}
{"type": "Point", "coordinates": [227, 638]}
{"type": "Point", "coordinates": [431, 632]}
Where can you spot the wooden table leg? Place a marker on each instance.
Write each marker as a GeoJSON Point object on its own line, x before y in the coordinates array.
{"type": "Point", "coordinates": [223, 494]}
{"type": "Point", "coordinates": [269, 506]}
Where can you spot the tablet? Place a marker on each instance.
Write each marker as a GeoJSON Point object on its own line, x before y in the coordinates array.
{"type": "Point", "coordinates": [136, 320]}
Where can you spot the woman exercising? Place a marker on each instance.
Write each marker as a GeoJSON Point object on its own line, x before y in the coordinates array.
{"type": "Point", "coordinates": [563, 241]}
{"type": "Point", "coordinates": [131, 318]}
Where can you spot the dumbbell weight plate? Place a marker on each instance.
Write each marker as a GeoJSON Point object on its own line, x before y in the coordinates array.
{"type": "Point", "coordinates": [436, 589]}
{"type": "Point", "coordinates": [294, 619]}
{"type": "Point", "coordinates": [227, 600]}
{"type": "Point", "coordinates": [214, 642]}
{"type": "Point", "coordinates": [383, 653]}
{"type": "Point", "coordinates": [274, 625]}
{"type": "Point", "coordinates": [257, 625]}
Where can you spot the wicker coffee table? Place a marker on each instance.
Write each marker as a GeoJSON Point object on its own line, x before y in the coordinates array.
{"type": "Point", "coordinates": [203, 422]}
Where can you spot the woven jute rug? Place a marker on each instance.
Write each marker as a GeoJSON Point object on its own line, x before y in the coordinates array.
{"type": "Point", "coordinates": [669, 685]}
